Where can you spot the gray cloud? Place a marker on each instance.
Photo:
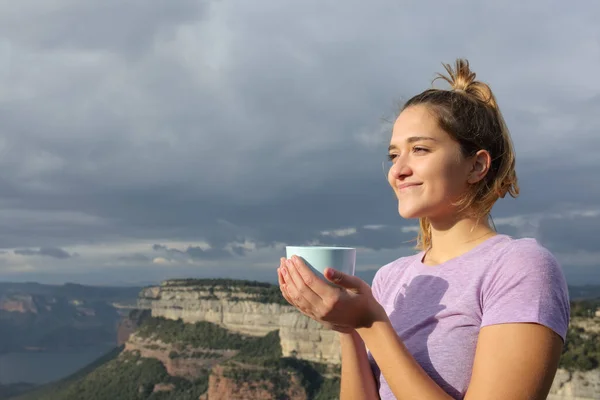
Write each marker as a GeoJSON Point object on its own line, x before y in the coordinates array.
{"type": "Point", "coordinates": [53, 252]}
{"type": "Point", "coordinates": [124, 26]}
{"type": "Point", "coordinates": [228, 123]}
{"type": "Point", "coordinates": [135, 258]}
{"type": "Point", "coordinates": [578, 233]}
{"type": "Point", "coordinates": [199, 253]}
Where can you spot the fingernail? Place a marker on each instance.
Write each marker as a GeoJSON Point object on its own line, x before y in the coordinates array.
{"type": "Point", "coordinates": [284, 271]}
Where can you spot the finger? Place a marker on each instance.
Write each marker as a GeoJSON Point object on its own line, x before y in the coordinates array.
{"type": "Point", "coordinates": [285, 293]}
{"type": "Point", "coordinates": [316, 284]}
{"type": "Point", "coordinates": [342, 279]}
{"type": "Point", "coordinates": [283, 289]}
{"type": "Point", "coordinates": [280, 277]}
{"type": "Point", "coordinates": [302, 289]}
{"type": "Point", "coordinates": [299, 292]}
{"type": "Point", "coordinates": [287, 297]}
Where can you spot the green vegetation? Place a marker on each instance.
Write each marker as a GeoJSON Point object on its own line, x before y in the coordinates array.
{"type": "Point", "coordinates": [329, 390]}
{"type": "Point", "coordinates": [260, 292]}
{"type": "Point", "coordinates": [279, 380]}
{"type": "Point", "coordinates": [259, 361]}
{"type": "Point", "coordinates": [201, 334]}
{"type": "Point", "coordinates": [210, 355]}
{"type": "Point", "coordinates": [259, 358]}
{"type": "Point", "coordinates": [205, 335]}
{"type": "Point", "coordinates": [260, 350]}
{"type": "Point", "coordinates": [279, 374]}
{"type": "Point", "coordinates": [584, 308]}
{"type": "Point", "coordinates": [581, 351]}
{"type": "Point", "coordinates": [127, 377]}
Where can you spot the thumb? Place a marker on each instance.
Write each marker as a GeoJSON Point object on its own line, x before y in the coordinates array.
{"type": "Point", "coordinates": [342, 279]}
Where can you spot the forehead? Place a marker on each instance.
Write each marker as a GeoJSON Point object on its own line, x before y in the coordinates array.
{"type": "Point", "coordinates": [417, 121]}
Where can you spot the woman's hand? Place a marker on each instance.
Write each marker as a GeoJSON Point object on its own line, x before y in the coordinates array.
{"type": "Point", "coordinates": [344, 309]}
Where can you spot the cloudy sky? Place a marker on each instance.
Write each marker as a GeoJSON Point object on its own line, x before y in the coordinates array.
{"type": "Point", "coordinates": [147, 140]}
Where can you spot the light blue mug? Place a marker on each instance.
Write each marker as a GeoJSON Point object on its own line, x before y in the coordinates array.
{"type": "Point", "coordinates": [318, 258]}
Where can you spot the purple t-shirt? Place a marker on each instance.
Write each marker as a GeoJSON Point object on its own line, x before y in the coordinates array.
{"type": "Point", "coordinates": [438, 310]}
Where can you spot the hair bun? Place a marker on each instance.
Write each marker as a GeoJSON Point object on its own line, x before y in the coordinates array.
{"type": "Point", "coordinates": [462, 79]}
{"type": "Point", "coordinates": [462, 76]}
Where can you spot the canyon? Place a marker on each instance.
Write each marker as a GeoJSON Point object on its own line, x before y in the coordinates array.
{"type": "Point", "coordinates": [239, 311]}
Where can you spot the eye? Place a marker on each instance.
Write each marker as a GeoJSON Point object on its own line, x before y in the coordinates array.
{"type": "Point", "coordinates": [418, 149]}
{"type": "Point", "coordinates": [392, 157]}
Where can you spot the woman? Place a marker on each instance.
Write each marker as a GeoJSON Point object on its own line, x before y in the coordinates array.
{"type": "Point", "coordinates": [474, 314]}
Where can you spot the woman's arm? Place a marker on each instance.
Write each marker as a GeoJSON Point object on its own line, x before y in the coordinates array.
{"type": "Point", "coordinates": [514, 361]}
{"type": "Point", "coordinates": [358, 382]}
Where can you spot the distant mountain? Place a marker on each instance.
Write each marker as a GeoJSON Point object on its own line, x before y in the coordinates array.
{"type": "Point", "coordinates": [73, 291]}
{"type": "Point", "coordinates": [36, 317]}
{"type": "Point", "coordinates": [14, 389]}
{"type": "Point", "coordinates": [584, 292]}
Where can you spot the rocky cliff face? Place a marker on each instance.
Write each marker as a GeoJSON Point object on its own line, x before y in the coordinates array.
{"type": "Point", "coordinates": [576, 385]}
{"type": "Point", "coordinates": [221, 386]}
{"type": "Point", "coordinates": [21, 303]}
{"type": "Point", "coordinates": [245, 313]}
{"type": "Point", "coordinates": [186, 362]}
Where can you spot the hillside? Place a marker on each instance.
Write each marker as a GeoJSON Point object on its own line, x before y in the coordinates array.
{"type": "Point", "coordinates": [238, 340]}
{"type": "Point", "coordinates": [250, 367]}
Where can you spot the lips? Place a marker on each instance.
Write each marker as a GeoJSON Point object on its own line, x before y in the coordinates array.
{"type": "Point", "coordinates": [407, 185]}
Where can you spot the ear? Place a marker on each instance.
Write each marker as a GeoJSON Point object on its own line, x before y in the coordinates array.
{"type": "Point", "coordinates": [481, 163]}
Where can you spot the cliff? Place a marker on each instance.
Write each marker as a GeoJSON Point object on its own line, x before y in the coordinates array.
{"type": "Point", "coordinates": [183, 361]}
{"type": "Point", "coordinates": [257, 310]}
{"type": "Point", "coordinates": [225, 384]}
{"type": "Point", "coordinates": [245, 310]}
{"type": "Point", "coordinates": [19, 302]}
{"type": "Point", "coordinates": [575, 385]}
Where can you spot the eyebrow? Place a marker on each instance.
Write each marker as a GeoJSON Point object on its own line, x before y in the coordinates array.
{"type": "Point", "coordinates": [413, 139]}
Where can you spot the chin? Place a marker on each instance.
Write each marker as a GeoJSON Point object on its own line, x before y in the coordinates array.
{"type": "Point", "coordinates": [409, 212]}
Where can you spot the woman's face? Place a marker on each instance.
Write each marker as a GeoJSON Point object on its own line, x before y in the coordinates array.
{"type": "Point", "coordinates": [428, 172]}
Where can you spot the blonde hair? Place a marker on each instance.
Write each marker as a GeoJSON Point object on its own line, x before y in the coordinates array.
{"type": "Point", "coordinates": [469, 113]}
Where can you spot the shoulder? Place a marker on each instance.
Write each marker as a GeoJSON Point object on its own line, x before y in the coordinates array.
{"type": "Point", "coordinates": [525, 283]}
{"type": "Point", "coordinates": [394, 267]}
{"type": "Point", "coordinates": [524, 255]}
{"type": "Point", "coordinates": [391, 275]}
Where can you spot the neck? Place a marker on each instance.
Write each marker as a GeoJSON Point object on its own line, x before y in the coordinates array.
{"type": "Point", "coordinates": [450, 239]}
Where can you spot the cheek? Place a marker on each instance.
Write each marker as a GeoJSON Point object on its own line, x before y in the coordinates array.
{"type": "Point", "coordinates": [446, 178]}
{"type": "Point", "coordinates": [455, 180]}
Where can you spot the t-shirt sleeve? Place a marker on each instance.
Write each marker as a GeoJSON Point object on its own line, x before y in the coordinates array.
{"type": "Point", "coordinates": [527, 285]}
{"type": "Point", "coordinates": [376, 288]}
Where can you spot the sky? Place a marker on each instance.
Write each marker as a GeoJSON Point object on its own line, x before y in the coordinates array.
{"type": "Point", "coordinates": [142, 141]}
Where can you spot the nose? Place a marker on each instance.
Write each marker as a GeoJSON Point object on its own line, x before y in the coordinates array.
{"type": "Point", "coordinates": [400, 169]}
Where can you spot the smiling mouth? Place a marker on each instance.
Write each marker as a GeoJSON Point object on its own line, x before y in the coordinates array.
{"type": "Point", "coordinates": [407, 186]}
